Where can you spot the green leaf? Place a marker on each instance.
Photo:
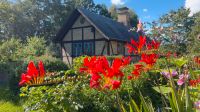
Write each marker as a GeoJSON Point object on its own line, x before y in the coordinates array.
{"type": "Point", "coordinates": [193, 90]}
{"type": "Point", "coordinates": [136, 108]}
{"type": "Point", "coordinates": [162, 89]}
{"type": "Point", "coordinates": [180, 62]}
{"type": "Point", "coordinates": [147, 105]}
{"type": "Point", "coordinates": [196, 71]}
{"type": "Point", "coordinates": [130, 108]}
{"type": "Point", "coordinates": [122, 107]}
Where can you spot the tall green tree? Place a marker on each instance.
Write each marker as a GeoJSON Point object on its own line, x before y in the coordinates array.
{"type": "Point", "coordinates": [173, 30]}
{"type": "Point", "coordinates": [101, 9]}
{"type": "Point", "coordinates": [194, 36]}
{"type": "Point", "coordinates": [113, 12]}
{"type": "Point", "coordinates": [43, 18]}
{"type": "Point", "coordinates": [133, 18]}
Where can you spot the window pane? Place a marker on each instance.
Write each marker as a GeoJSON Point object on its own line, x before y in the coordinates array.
{"type": "Point", "coordinates": [89, 48]}
{"type": "Point", "coordinates": [77, 49]}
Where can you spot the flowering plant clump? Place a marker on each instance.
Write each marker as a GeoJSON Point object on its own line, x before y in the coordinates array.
{"type": "Point", "coordinates": [175, 78]}
{"type": "Point", "coordinates": [147, 50]}
{"type": "Point", "coordinates": [103, 75]}
{"type": "Point", "coordinates": [33, 75]}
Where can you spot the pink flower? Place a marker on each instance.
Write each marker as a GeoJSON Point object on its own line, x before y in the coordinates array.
{"type": "Point", "coordinates": [167, 74]}
{"type": "Point", "coordinates": [197, 105]}
{"type": "Point", "coordinates": [182, 79]}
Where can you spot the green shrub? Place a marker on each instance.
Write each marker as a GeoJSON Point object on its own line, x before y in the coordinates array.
{"type": "Point", "coordinates": [78, 63]}
{"type": "Point", "coordinates": [51, 64]}
{"type": "Point", "coordinates": [9, 49]}
{"type": "Point", "coordinates": [69, 96]}
{"type": "Point", "coordinates": [34, 46]}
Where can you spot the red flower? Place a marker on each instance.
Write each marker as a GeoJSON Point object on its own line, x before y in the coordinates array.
{"type": "Point", "coordinates": [138, 68]}
{"type": "Point", "coordinates": [197, 60]}
{"type": "Point", "coordinates": [94, 82]}
{"type": "Point", "coordinates": [24, 79]}
{"type": "Point", "coordinates": [194, 82]}
{"type": "Point", "coordinates": [33, 76]}
{"type": "Point", "coordinates": [149, 59]}
{"type": "Point", "coordinates": [32, 70]}
{"type": "Point", "coordinates": [130, 77]}
{"type": "Point", "coordinates": [136, 73]}
{"type": "Point", "coordinates": [102, 73]}
{"type": "Point", "coordinates": [115, 84]}
{"type": "Point", "coordinates": [41, 69]}
{"type": "Point", "coordinates": [136, 47]}
{"type": "Point", "coordinates": [153, 45]}
{"type": "Point", "coordinates": [126, 60]}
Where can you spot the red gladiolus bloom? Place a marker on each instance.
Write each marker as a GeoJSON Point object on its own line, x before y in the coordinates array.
{"type": "Point", "coordinates": [41, 69]}
{"type": "Point", "coordinates": [130, 77]}
{"type": "Point", "coordinates": [137, 71]}
{"type": "Point", "coordinates": [153, 45]}
{"type": "Point", "coordinates": [197, 60]}
{"type": "Point", "coordinates": [102, 73]}
{"type": "Point", "coordinates": [126, 60]}
{"type": "Point", "coordinates": [94, 82]}
{"type": "Point", "coordinates": [115, 84]}
{"type": "Point", "coordinates": [136, 47]}
{"type": "Point", "coordinates": [24, 79]}
{"type": "Point", "coordinates": [194, 82]}
{"type": "Point", "coordinates": [32, 70]}
{"type": "Point", "coordinates": [149, 59]}
{"type": "Point", "coordinates": [33, 76]}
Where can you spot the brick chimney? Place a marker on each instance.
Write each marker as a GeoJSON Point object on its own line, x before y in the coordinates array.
{"type": "Point", "coordinates": [124, 16]}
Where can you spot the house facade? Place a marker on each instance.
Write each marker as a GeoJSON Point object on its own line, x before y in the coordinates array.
{"type": "Point", "coordinates": [87, 33]}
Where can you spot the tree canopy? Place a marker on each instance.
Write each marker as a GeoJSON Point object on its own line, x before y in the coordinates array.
{"type": "Point", "coordinates": [26, 18]}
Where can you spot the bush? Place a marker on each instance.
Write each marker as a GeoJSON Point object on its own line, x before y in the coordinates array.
{"type": "Point", "coordinates": [51, 64]}
{"type": "Point", "coordinates": [34, 46]}
{"type": "Point", "coordinates": [70, 96]}
{"type": "Point", "coordinates": [15, 56]}
{"type": "Point", "coordinates": [9, 49]}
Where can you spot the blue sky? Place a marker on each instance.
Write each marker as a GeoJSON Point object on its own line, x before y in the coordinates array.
{"type": "Point", "coordinates": [149, 10]}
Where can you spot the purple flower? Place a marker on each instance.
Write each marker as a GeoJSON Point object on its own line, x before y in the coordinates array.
{"type": "Point", "coordinates": [182, 79]}
{"type": "Point", "coordinates": [197, 105]}
{"type": "Point", "coordinates": [167, 74]}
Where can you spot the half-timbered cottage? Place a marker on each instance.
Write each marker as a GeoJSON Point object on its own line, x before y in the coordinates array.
{"type": "Point", "coordinates": [87, 33]}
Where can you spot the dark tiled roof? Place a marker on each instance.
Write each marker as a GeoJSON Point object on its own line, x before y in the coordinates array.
{"type": "Point", "coordinates": [110, 28]}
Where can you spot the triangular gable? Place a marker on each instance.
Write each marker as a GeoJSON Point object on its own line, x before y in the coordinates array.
{"type": "Point", "coordinates": [108, 28]}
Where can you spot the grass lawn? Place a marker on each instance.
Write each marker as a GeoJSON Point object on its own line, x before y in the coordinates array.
{"type": "Point", "coordinates": [9, 102]}
{"type": "Point", "coordinates": [10, 107]}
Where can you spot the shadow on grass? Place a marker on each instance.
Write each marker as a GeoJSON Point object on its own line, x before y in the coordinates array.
{"type": "Point", "coordinates": [8, 96]}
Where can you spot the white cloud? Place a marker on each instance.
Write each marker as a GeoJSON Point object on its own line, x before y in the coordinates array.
{"type": "Point", "coordinates": [118, 2]}
{"type": "Point", "coordinates": [145, 10]}
{"type": "Point", "coordinates": [194, 6]}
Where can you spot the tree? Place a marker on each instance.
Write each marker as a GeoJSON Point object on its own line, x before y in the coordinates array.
{"type": "Point", "coordinates": [101, 9]}
{"type": "Point", "coordinates": [173, 29]}
{"type": "Point", "coordinates": [133, 18]}
{"type": "Point", "coordinates": [43, 18]}
{"type": "Point", "coordinates": [113, 12]}
{"type": "Point", "coordinates": [133, 15]}
{"type": "Point", "coordinates": [9, 49]}
{"type": "Point", "coordinates": [194, 36]}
